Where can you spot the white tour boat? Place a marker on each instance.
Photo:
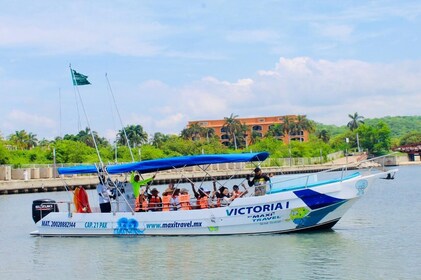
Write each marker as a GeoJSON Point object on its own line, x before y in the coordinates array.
{"type": "Point", "coordinates": [306, 203]}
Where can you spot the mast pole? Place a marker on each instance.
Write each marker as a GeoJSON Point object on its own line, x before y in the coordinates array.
{"type": "Point", "coordinates": [119, 117]}
{"type": "Point", "coordinates": [86, 117]}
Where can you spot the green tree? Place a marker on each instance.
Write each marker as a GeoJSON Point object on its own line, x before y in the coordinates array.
{"type": "Point", "coordinates": [159, 138]}
{"type": "Point", "coordinates": [234, 129]}
{"type": "Point", "coordinates": [300, 125]}
{"type": "Point", "coordinates": [355, 121]}
{"type": "Point", "coordinates": [20, 139]}
{"type": "Point", "coordinates": [135, 134]}
{"type": "Point", "coordinates": [413, 137]}
{"type": "Point", "coordinates": [376, 139]}
{"type": "Point", "coordinates": [194, 132]}
{"type": "Point", "coordinates": [68, 151]}
{"type": "Point", "coordinates": [288, 126]}
{"type": "Point", "coordinates": [323, 135]}
{"type": "Point", "coordinates": [4, 154]}
{"type": "Point", "coordinates": [276, 131]}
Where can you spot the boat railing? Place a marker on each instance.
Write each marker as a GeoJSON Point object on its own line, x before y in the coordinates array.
{"type": "Point", "coordinates": [305, 181]}
{"type": "Point", "coordinates": [57, 203]}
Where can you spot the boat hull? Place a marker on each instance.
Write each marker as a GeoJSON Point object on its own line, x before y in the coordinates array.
{"type": "Point", "coordinates": [302, 209]}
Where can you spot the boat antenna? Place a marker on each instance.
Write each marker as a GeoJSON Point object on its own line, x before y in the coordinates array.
{"type": "Point", "coordinates": [119, 116]}
{"type": "Point", "coordinates": [79, 80]}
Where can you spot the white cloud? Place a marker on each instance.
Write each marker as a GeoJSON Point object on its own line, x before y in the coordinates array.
{"type": "Point", "coordinates": [17, 120]}
{"type": "Point", "coordinates": [330, 89]}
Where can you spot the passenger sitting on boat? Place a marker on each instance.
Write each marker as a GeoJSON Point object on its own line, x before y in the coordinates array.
{"type": "Point", "coordinates": [184, 199]}
{"type": "Point", "coordinates": [175, 201]}
{"type": "Point", "coordinates": [141, 204]}
{"type": "Point", "coordinates": [224, 198]}
{"type": "Point", "coordinates": [170, 189]}
{"type": "Point", "coordinates": [155, 202]}
{"type": "Point", "coordinates": [137, 183]}
{"type": "Point", "coordinates": [166, 199]}
{"type": "Point", "coordinates": [202, 197]}
{"type": "Point", "coordinates": [104, 195]}
{"type": "Point", "coordinates": [259, 181]}
{"type": "Point", "coordinates": [236, 193]}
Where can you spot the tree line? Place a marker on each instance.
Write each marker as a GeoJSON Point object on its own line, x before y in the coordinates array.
{"type": "Point", "coordinates": [375, 138]}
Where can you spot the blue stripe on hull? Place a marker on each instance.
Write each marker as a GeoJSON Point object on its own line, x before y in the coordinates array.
{"type": "Point", "coordinates": [316, 200]}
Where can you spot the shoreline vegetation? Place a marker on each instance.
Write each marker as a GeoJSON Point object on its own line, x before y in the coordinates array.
{"type": "Point", "coordinates": [373, 136]}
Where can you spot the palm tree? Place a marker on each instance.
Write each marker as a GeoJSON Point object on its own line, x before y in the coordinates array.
{"type": "Point", "coordinates": [20, 139]}
{"type": "Point", "coordinates": [32, 140]}
{"type": "Point", "coordinates": [276, 130]}
{"type": "Point", "coordinates": [302, 124]}
{"type": "Point", "coordinates": [323, 135]}
{"type": "Point", "coordinates": [288, 126]}
{"type": "Point", "coordinates": [355, 121]}
{"type": "Point", "coordinates": [210, 133]}
{"type": "Point", "coordinates": [135, 134]}
{"type": "Point", "coordinates": [197, 131]}
{"type": "Point", "coordinates": [194, 132]}
{"type": "Point", "coordinates": [159, 138]}
{"type": "Point", "coordinates": [234, 128]}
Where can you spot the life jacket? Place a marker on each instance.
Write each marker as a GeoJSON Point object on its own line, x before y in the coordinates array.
{"type": "Point", "coordinates": [184, 201]}
{"type": "Point", "coordinates": [203, 202]}
{"type": "Point", "coordinates": [141, 204]}
{"type": "Point", "coordinates": [155, 203]}
{"type": "Point", "coordinates": [166, 202]}
{"type": "Point", "coordinates": [236, 194]}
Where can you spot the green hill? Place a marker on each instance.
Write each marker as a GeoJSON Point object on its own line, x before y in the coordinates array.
{"type": "Point", "coordinates": [399, 125]}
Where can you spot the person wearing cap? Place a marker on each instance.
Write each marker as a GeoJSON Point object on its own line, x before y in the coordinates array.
{"type": "Point", "coordinates": [155, 202]}
{"type": "Point", "coordinates": [170, 189]}
{"type": "Point", "coordinates": [166, 200]}
{"type": "Point", "coordinates": [184, 199]}
{"type": "Point", "coordinates": [259, 181]}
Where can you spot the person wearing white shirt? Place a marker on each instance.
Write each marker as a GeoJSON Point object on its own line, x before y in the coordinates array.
{"type": "Point", "coordinates": [104, 196]}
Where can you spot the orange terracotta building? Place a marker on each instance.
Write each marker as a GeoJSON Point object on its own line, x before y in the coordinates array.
{"type": "Point", "coordinates": [258, 125]}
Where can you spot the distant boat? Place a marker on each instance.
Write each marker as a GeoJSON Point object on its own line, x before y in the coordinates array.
{"type": "Point", "coordinates": [298, 204]}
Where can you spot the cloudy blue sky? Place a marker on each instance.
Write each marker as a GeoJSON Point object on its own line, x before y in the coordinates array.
{"type": "Point", "coordinates": [169, 62]}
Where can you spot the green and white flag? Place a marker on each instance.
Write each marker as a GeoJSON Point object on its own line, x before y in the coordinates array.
{"type": "Point", "coordinates": [79, 79]}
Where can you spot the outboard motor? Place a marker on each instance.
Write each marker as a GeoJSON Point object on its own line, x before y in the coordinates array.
{"type": "Point", "coordinates": [42, 207]}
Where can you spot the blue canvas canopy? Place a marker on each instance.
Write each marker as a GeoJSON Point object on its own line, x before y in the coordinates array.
{"type": "Point", "coordinates": [155, 165]}
{"type": "Point", "coordinates": [79, 169]}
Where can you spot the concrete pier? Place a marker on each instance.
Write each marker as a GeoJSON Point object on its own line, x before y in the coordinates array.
{"type": "Point", "coordinates": [26, 180]}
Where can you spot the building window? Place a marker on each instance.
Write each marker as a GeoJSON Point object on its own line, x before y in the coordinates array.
{"type": "Point", "coordinates": [257, 128]}
{"type": "Point", "coordinates": [261, 120]}
{"type": "Point", "coordinates": [223, 129]}
{"type": "Point", "coordinates": [203, 123]}
{"type": "Point", "coordinates": [225, 136]}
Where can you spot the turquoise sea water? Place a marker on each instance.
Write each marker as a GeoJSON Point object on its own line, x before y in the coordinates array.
{"type": "Point", "coordinates": [379, 238]}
